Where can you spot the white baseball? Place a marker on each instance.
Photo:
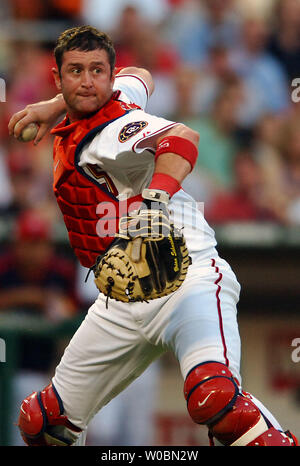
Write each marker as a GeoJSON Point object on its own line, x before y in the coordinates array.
{"type": "Point", "coordinates": [29, 132]}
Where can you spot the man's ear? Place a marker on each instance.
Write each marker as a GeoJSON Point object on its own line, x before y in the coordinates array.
{"type": "Point", "coordinates": [56, 76]}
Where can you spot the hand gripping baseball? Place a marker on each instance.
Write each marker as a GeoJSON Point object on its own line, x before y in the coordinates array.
{"type": "Point", "coordinates": [148, 259]}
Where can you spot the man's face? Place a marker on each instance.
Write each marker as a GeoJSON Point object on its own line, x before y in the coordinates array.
{"type": "Point", "coordinates": [85, 81]}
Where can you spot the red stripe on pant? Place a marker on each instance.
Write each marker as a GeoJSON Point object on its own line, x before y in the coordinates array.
{"type": "Point", "coordinates": [217, 282]}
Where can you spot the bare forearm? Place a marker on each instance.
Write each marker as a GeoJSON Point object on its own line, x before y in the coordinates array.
{"type": "Point", "coordinates": [60, 104]}
{"type": "Point", "coordinates": [173, 165]}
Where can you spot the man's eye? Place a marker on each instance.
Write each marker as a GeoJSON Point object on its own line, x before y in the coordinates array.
{"type": "Point", "coordinates": [76, 71]}
{"type": "Point", "coordinates": [97, 70]}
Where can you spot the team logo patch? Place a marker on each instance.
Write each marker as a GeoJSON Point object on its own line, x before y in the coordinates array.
{"type": "Point", "coordinates": [131, 129]}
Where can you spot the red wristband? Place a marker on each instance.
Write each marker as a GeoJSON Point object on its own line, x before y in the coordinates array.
{"type": "Point", "coordinates": [165, 183]}
{"type": "Point", "coordinates": [179, 146]}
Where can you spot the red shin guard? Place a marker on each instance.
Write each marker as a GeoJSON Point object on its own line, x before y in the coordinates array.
{"type": "Point", "coordinates": [213, 398]}
{"type": "Point", "coordinates": [38, 412]}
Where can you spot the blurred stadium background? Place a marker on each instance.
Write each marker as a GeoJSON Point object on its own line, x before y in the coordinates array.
{"type": "Point", "coordinates": [228, 68]}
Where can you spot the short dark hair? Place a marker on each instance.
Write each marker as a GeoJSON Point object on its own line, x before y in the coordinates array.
{"type": "Point", "coordinates": [84, 38]}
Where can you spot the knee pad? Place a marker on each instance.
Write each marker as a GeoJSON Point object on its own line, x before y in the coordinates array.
{"type": "Point", "coordinates": [210, 391]}
{"type": "Point", "coordinates": [41, 420]}
{"type": "Point", "coordinates": [214, 399]}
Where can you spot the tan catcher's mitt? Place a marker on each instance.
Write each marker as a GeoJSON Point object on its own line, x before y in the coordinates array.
{"type": "Point", "coordinates": [148, 259]}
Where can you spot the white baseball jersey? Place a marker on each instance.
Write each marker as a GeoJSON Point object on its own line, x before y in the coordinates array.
{"type": "Point", "coordinates": [197, 323]}
{"type": "Point", "coordinates": [125, 151]}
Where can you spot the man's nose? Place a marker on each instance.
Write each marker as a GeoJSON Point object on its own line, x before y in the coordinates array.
{"type": "Point", "coordinates": [86, 79]}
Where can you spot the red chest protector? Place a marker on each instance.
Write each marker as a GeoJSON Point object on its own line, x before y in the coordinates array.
{"type": "Point", "coordinates": [78, 194]}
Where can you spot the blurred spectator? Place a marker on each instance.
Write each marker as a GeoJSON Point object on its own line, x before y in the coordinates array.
{"type": "Point", "coordinates": [20, 179]}
{"type": "Point", "coordinates": [216, 124]}
{"type": "Point", "coordinates": [201, 25]}
{"type": "Point", "coordinates": [30, 78]}
{"type": "Point", "coordinates": [218, 140]}
{"type": "Point", "coordinates": [277, 151]}
{"type": "Point", "coordinates": [212, 78]}
{"type": "Point", "coordinates": [187, 86]}
{"type": "Point", "coordinates": [291, 171]}
{"type": "Point", "coordinates": [284, 43]}
{"type": "Point", "coordinates": [162, 60]}
{"type": "Point", "coordinates": [267, 153]}
{"type": "Point", "coordinates": [244, 202]}
{"type": "Point", "coordinates": [35, 281]}
{"type": "Point", "coordinates": [139, 43]}
{"type": "Point", "coordinates": [33, 277]}
{"type": "Point", "coordinates": [107, 15]}
{"type": "Point", "coordinates": [265, 81]}
{"type": "Point", "coordinates": [126, 34]}
{"type": "Point", "coordinates": [28, 179]}
{"type": "Point", "coordinates": [151, 52]}
{"type": "Point", "coordinates": [267, 178]}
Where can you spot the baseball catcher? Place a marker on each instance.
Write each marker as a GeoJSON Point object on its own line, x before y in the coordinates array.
{"type": "Point", "coordinates": [108, 148]}
{"type": "Point", "coordinates": [149, 258]}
